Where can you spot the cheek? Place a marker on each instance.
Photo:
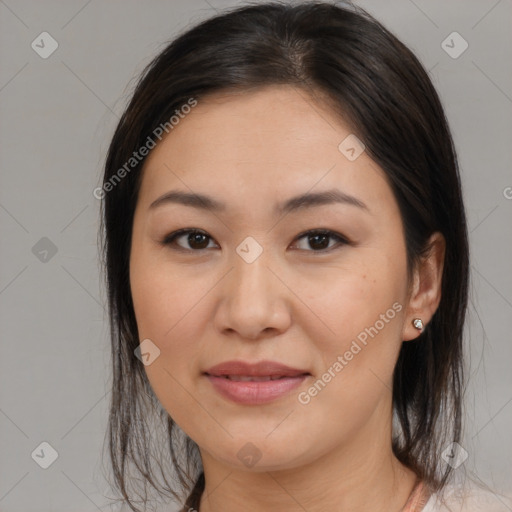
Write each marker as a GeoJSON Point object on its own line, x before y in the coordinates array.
{"type": "Point", "coordinates": [173, 309]}
{"type": "Point", "coordinates": [358, 359]}
{"type": "Point", "coordinates": [362, 305]}
{"type": "Point", "coordinates": [157, 311]}
{"type": "Point", "coordinates": [350, 300]}
{"type": "Point", "coordinates": [163, 296]}
{"type": "Point", "coordinates": [168, 311]}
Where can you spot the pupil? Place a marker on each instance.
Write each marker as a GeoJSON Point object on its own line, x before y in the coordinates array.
{"type": "Point", "coordinates": [320, 241]}
{"type": "Point", "coordinates": [324, 238]}
{"type": "Point", "coordinates": [195, 239]}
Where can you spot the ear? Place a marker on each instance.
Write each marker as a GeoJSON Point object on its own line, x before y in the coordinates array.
{"type": "Point", "coordinates": [425, 290]}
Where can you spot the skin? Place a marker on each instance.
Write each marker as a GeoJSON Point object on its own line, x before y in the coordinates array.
{"type": "Point", "coordinates": [294, 304]}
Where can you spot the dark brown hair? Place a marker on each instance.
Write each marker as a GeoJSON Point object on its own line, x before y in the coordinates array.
{"type": "Point", "coordinates": [355, 66]}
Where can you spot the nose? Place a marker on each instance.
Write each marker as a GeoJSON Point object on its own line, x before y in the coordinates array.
{"type": "Point", "coordinates": [253, 301]}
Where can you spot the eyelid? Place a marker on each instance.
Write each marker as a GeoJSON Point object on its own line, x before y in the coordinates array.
{"type": "Point", "coordinates": [171, 237]}
{"type": "Point", "coordinates": [341, 239]}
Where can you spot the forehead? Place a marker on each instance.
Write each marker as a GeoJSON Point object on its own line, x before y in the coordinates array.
{"type": "Point", "coordinates": [268, 122]}
{"type": "Point", "coordinates": [272, 142]}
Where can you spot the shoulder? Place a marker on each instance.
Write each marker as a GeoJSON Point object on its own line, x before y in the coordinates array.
{"type": "Point", "coordinates": [468, 499]}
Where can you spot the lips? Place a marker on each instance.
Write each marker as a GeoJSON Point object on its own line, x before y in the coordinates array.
{"type": "Point", "coordinates": [254, 378]}
{"type": "Point", "coordinates": [254, 384]}
{"type": "Point", "coordinates": [262, 370]}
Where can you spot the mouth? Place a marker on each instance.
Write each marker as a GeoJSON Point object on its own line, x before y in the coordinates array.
{"type": "Point", "coordinates": [248, 378]}
{"type": "Point", "coordinates": [254, 383]}
{"type": "Point", "coordinates": [260, 369]}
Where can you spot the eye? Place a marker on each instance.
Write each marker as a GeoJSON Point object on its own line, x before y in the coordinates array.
{"type": "Point", "coordinates": [319, 239]}
{"type": "Point", "coordinates": [195, 238]}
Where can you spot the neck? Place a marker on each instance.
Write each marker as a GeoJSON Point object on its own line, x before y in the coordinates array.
{"type": "Point", "coordinates": [365, 475]}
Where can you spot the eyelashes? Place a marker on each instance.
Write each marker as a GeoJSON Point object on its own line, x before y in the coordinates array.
{"type": "Point", "coordinates": [319, 238]}
{"type": "Point", "coordinates": [197, 233]}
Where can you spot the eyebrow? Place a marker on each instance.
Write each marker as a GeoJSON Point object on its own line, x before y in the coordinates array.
{"type": "Point", "coordinates": [300, 202]}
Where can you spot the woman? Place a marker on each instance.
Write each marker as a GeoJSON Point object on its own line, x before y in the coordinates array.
{"type": "Point", "coordinates": [287, 263]}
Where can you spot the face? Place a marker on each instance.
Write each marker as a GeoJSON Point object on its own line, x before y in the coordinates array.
{"type": "Point", "coordinates": [319, 286]}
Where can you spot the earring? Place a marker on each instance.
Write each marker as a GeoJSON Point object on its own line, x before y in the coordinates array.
{"type": "Point", "coordinates": [418, 324]}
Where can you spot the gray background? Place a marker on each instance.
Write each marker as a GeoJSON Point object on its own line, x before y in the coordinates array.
{"type": "Point", "coordinates": [57, 117]}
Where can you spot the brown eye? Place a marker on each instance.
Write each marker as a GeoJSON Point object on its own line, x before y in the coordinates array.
{"type": "Point", "coordinates": [197, 240]}
{"type": "Point", "coordinates": [319, 240]}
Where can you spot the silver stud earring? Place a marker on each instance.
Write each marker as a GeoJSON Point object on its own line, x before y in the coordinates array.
{"type": "Point", "coordinates": [418, 324]}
